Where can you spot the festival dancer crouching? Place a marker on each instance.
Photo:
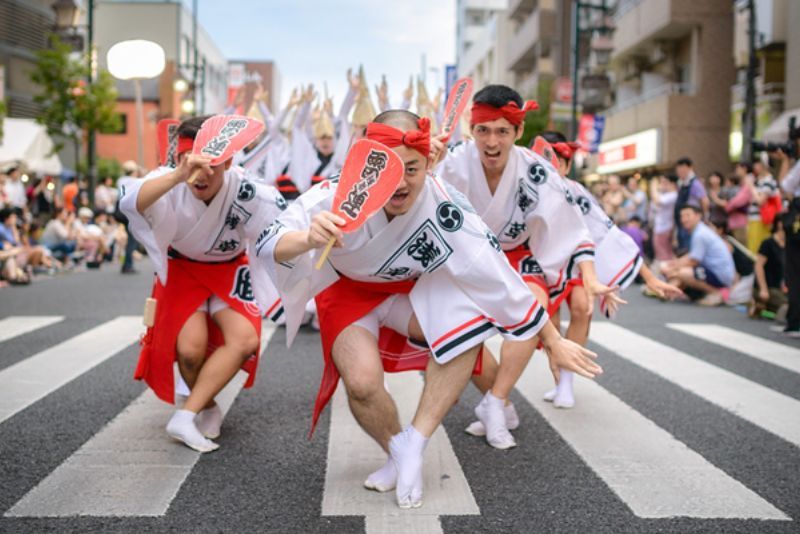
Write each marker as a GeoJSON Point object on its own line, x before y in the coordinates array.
{"type": "Point", "coordinates": [426, 270]}
{"type": "Point", "coordinates": [207, 314]}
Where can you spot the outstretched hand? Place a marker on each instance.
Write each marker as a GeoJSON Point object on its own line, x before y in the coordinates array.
{"type": "Point", "coordinates": [596, 289]}
{"type": "Point", "coordinates": [568, 355]}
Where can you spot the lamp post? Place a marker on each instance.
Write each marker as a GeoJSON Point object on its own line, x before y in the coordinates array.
{"type": "Point", "coordinates": [136, 60]}
{"type": "Point", "coordinates": [67, 14]}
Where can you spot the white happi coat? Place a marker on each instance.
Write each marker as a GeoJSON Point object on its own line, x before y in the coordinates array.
{"type": "Point", "coordinates": [465, 290]}
{"type": "Point", "coordinates": [529, 207]}
{"type": "Point", "coordinates": [617, 257]}
{"type": "Point", "coordinates": [216, 232]}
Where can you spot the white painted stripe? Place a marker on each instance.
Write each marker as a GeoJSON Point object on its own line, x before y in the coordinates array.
{"type": "Point", "coordinates": [753, 346]}
{"type": "Point", "coordinates": [11, 327]}
{"type": "Point", "coordinates": [26, 382]}
{"type": "Point", "coordinates": [653, 473]}
{"type": "Point", "coordinates": [765, 408]}
{"type": "Point", "coordinates": [352, 455]}
{"type": "Point", "coordinates": [129, 468]}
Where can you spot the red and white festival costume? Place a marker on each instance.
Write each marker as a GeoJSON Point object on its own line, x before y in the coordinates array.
{"type": "Point", "coordinates": [199, 253]}
{"type": "Point", "coordinates": [266, 161]}
{"type": "Point", "coordinates": [543, 237]}
{"type": "Point", "coordinates": [617, 258]}
{"type": "Point", "coordinates": [439, 261]}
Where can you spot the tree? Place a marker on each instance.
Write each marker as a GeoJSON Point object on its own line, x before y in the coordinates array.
{"type": "Point", "coordinates": [538, 121]}
{"type": "Point", "coordinates": [69, 107]}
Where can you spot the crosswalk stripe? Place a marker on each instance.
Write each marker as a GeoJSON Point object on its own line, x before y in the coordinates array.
{"type": "Point", "coordinates": [753, 346]}
{"type": "Point", "coordinates": [11, 327]}
{"type": "Point", "coordinates": [763, 407]}
{"type": "Point", "coordinates": [653, 473]}
{"type": "Point", "coordinates": [26, 382]}
{"type": "Point", "coordinates": [352, 455]}
{"type": "Point", "coordinates": [129, 468]}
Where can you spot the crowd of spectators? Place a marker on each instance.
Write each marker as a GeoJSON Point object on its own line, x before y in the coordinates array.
{"type": "Point", "coordinates": [720, 238]}
{"type": "Point", "coordinates": [47, 225]}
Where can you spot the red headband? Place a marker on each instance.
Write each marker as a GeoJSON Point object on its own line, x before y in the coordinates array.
{"type": "Point", "coordinates": [566, 150]}
{"type": "Point", "coordinates": [419, 140]}
{"type": "Point", "coordinates": [511, 112]}
{"type": "Point", "coordinates": [185, 144]}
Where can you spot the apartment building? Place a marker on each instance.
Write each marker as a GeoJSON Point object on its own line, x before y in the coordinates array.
{"type": "Point", "coordinates": [672, 86]}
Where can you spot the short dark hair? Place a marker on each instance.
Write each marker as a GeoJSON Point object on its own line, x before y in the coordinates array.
{"type": "Point", "coordinates": [747, 166]}
{"type": "Point", "coordinates": [694, 207]}
{"type": "Point", "coordinates": [190, 127]}
{"type": "Point", "coordinates": [497, 96]}
{"type": "Point", "coordinates": [5, 213]}
{"type": "Point", "coordinates": [685, 161]}
{"type": "Point", "coordinates": [672, 178]}
{"type": "Point", "coordinates": [398, 118]}
{"type": "Point", "coordinates": [719, 174]}
{"type": "Point", "coordinates": [636, 219]}
{"type": "Point", "coordinates": [552, 136]}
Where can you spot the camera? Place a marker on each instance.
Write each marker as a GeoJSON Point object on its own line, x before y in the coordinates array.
{"type": "Point", "coordinates": [789, 147]}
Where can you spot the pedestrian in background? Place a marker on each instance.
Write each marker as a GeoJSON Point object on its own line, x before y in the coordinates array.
{"type": "Point", "coordinates": [663, 195]}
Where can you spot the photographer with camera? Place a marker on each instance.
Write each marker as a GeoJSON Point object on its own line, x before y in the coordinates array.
{"type": "Point", "coordinates": [789, 178]}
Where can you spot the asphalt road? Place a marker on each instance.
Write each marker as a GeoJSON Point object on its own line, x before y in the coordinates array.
{"type": "Point", "coordinates": [706, 436]}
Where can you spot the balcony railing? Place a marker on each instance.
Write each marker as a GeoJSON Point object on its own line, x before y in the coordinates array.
{"type": "Point", "coordinates": [623, 6]}
{"type": "Point", "coordinates": [661, 90]}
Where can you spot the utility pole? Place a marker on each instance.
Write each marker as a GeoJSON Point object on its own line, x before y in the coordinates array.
{"type": "Point", "coordinates": [749, 112]}
{"type": "Point", "coordinates": [195, 85]}
{"type": "Point", "coordinates": [91, 168]}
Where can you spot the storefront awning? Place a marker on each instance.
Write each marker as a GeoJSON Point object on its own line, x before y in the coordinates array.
{"type": "Point", "coordinates": [778, 130]}
{"type": "Point", "coordinates": [26, 141]}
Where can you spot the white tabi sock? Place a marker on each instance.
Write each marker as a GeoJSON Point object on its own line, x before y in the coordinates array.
{"type": "Point", "coordinates": [512, 422]}
{"type": "Point", "coordinates": [490, 412]}
{"type": "Point", "coordinates": [406, 450]}
{"type": "Point", "coordinates": [384, 479]}
{"type": "Point", "coordinates": [182, 428]}
{"type": "Point", "coordinates": [564, 397]}
{"type": "Point", "coordinates": [550, 395]}
{"type": "Point", "coordinates": [209, 421]}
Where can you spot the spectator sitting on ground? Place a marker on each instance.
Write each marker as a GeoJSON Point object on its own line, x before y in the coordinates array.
{"type": "Point", "coordinates": [60, 236]}
{"type": "Point", "coordinates": [91, 239]}
{"type": "Point", "coordinates": [33, 255]}
{"type": "Point", "coordinates": [708, 266]}
{"type": "Point", "coordinates": [11, 255]}
{"type": "Point", "coordinates": [769, 292]}
{"type": "Point", "coordinates": [663, 194]}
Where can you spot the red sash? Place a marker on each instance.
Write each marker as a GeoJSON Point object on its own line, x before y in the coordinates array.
{"type": "Point", "coordinates": [189, 284]}
{"type": "Point", "coordinates": [344, 303]}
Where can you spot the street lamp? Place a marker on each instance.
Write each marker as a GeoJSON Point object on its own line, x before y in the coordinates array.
{"type": "Point", "coordinates": [136, 60]}
{"type": "Point", "coordinates": [67, 13]}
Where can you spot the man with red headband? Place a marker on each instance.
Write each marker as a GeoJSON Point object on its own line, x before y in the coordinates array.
{"type": "Point", "coordinates": [520, 197]}
{"type": "Point", "coordinates": [422, 277]}
{"type": "Point", "coordinates": [616, 256]}
{"type": "Point", "coordinates": [207, 314]}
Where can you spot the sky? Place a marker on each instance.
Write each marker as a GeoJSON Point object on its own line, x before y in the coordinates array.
{"type": "Point", "coordinates": [316, 41]}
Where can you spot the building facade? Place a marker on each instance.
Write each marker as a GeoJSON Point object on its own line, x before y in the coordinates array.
{"type": "Point", "coordinates": [672, 86]}
{"type": "Point", "coordinates": [170, 24]}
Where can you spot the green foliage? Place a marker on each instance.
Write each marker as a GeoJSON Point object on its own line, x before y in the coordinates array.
{"type": "Point", "coordinates": [109, 167]}
{"type": "Point", "coordinates": [537, 121]}
{"type": "Point", "coordinates": [69, 105]}
{"type": "Point", "coordinates": [3, 111]}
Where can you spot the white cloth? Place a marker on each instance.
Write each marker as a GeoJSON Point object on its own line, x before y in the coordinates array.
{"type": "Point", "coordinates": [216, 232]}
{"type": "Point", "coordinates": [791, 182]}
{"type": "Point", "coordinates": [664, 218]}
{"type": "Point", "coordinates": [15, 191]}
{"type": "Point", "coordinates": [529, 206]}
{"type": "Point", "coordinates": [465, 290]}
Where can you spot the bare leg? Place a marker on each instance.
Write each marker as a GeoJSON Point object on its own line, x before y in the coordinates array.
{"type": "Point", "coordinates": [241, 341]}
{"type": "Point", "coordinates": [578, 331]}
{"type": "Point", "coordinates": [515, 355]}
{"type": "Point", "coordinates": [191, 346]}
{"type": "Point", "coordinates": [355, 353]}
